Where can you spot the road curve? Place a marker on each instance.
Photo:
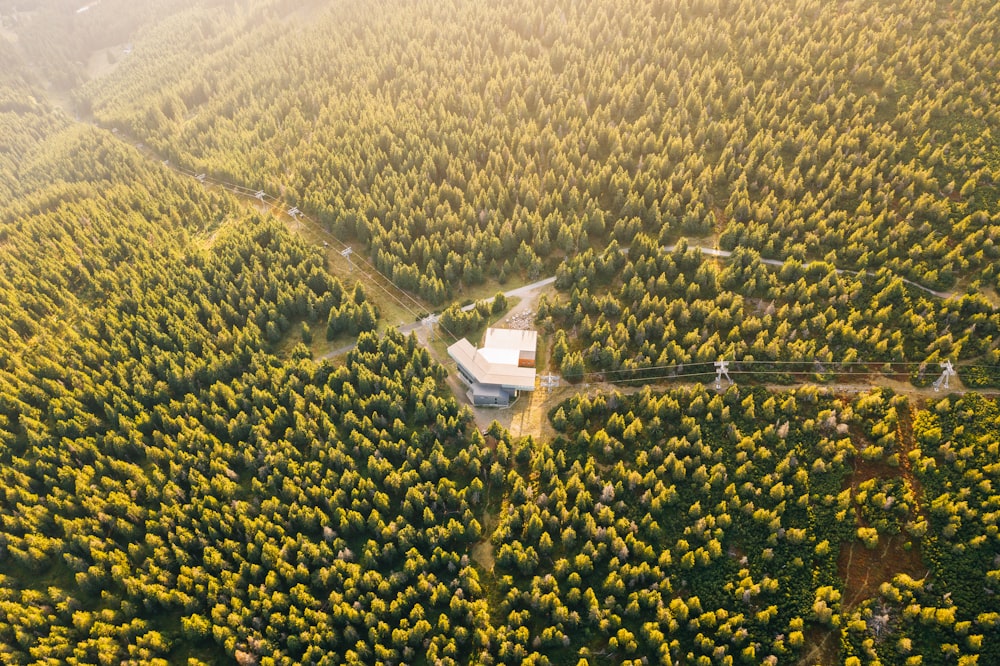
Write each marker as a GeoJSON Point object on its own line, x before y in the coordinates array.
{"type": "Point", "coordinates": [725, 254]}
{"type": "Point", "coordinates": [520, 292]}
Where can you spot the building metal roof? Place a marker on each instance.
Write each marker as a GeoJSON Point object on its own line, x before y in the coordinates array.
{"type": "Point", "coordinates": [510, 338]}
{"type": "Point", "coordinates": [483, 371]}
{"type": "Point", "coordinates": [500, 356]}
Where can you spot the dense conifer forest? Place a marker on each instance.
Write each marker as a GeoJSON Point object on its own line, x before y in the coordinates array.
{"type": "Point", "coordinates": [188, 476]}
{"type": "Point", "coordinates": [457, 136]}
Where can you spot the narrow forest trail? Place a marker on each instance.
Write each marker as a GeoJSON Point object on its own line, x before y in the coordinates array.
{"type": "Point", "coordinates": [822, 647]}
{"type": "Point", "coordinates": [528, 293]}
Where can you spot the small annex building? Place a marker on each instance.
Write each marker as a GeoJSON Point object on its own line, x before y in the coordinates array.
{"type": "Point", "coordinates": [501, 369]}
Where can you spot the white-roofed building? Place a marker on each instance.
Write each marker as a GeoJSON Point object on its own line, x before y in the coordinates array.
{"type": "Point", "coordinates": [504, 367]}
{"type": "Point", "coordinates": [513, 340]}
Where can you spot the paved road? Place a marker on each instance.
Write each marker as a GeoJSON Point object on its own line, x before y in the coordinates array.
{"type": "Point", "coordinates": [520, 292]}
{"type": "Point", "coordinates": [526, 291]}
{"type": "Point", "coordinates": [725, 254]}
{"type": "Point", "coordinates": [529, 290]}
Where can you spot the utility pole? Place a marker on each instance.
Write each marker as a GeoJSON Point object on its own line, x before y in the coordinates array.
{"type": "Point", "coordinates": [948, 373]}
{"type": "Point", "coordinates": [722, 370]}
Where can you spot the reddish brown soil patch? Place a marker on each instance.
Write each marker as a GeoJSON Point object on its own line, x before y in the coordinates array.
{"type": "Point", "coordinates": [864, 570]}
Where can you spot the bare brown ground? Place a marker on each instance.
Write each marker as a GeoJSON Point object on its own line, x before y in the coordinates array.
{"type": "Point", "coordinates": [529, 415]}
{"type": "Point", "coordinates": [822, 647]}
{"type": "Point", "coordinates": [482, 553]}
{"type": "Point", "coordinates": [991, 295]}
{"type": "Point", "coordinates": [863, 570]}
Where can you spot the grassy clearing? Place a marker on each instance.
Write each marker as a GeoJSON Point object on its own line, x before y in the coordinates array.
{"type": "Point", "coordinates": [396, 307]}
{"type": "Point", "coordinates": [319, 347]}
{"type": "Point", "coordinates": [482, 550]}
{"type": "Point", "coordinates": [480, 292]}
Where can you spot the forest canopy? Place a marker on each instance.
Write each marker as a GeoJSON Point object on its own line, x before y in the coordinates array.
{"type": "Point", "coordinates": [183, 480]}
{"type": "Point", "coordinates": [451, 137]}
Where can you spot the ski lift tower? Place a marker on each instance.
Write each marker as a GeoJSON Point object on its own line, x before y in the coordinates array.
{"type": "Point", "coordinates": [947, 373]}
{"type": "Point", "coordinates": [722, 370]}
